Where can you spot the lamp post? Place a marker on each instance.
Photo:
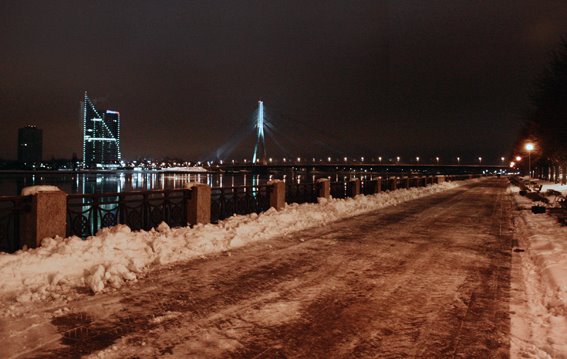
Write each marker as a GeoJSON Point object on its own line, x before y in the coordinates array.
{"type": "Point", "coordinates": [529, 147]}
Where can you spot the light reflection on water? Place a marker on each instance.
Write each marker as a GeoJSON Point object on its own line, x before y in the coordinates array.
{"type": "Point", "coordinates": [12, 184]}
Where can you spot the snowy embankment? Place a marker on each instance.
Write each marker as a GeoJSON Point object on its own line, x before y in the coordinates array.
{"type": "Point", "coordinates": [539, 325]}
{"type": "Point", "coordinates": [117, 255]}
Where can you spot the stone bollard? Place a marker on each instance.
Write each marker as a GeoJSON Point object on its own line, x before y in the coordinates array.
{"type": "Point", "coordinates": [276, 194]}
{"type": "Point", "coordinates": [393, 183]}
{"type": "Point", "coordinates": [378, 185]}
{"type": "Point", "coordinates": [199, 206]}
{"type": "Point", "coordinates": [353, 187]}
{"type": "Point", "coordinates": [324, 187]}
{"type": "Point", "coordinates": [440, 179]}
{"type": "Point", "coordinates": [46, 217]}
{"type": "Point", "coordinates": [374, 184]}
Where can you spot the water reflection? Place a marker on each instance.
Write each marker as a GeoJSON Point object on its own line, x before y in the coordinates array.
{"type": "Point", "coordinates": [12, 184]}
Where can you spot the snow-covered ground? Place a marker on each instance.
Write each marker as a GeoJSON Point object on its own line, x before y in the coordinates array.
{"type": "Point", "coordinates": [117, 255]}
{"type": "Point", "coordinates": [63, 268]}
{"type": "Point", "coordinates": [539, 305]}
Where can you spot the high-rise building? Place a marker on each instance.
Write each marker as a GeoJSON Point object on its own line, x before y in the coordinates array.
{"type": "Point", "coordinates": [101, 136]}
{"type": "Point", "coordinates": [30, 145]}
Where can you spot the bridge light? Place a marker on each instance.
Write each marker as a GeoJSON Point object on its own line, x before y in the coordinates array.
{"type": "Point", "coordinates": [284, 159]}
{"type": "Point", "coordinates": [298, 159]}
{"type": "Point", "coordinates": [437, 159]}
{"type": "Point", "coordinates": [398, 159]}
{"type": "Point", "coordinates": [328, 159]}
{"type": "Point", "coordinates": [512, 164]}
{"type": "Point", "coordinates": [502, 159]}
{"type": "Point", "coordinates": [380, 159]}
{"type": "Point", "coordinates": [459, 160]}
{"type": "Point", "coordinates": [345, 159]}
{"type": "Point", "coordinates": [361, 159]}
{"type": "Point", "coordinates": [480, 160]}
{"type": "Point", "coordinates": [518, 158]}
{"type": "Point", "coordinates": [245, 160]}
{"type": "Point", "coordinates": [417, 159]}
{"type": "Point", "coordinates": [270, 160]}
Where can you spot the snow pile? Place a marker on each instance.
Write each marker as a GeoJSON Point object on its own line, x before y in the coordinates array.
{"type": "Point", "coordinates": [117, 255]}
{"type": "Point", "coordinates": [31, 190]}
{"type": "Point", "coordinates": [540, 328]}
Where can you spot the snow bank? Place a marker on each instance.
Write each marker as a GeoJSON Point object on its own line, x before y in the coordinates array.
{"type": "Point", "coordinates": [31, 190]}
{"type": "Point", "coordinates": [117, 255]}
{"type": "Point", "coordinates": [541, 327]}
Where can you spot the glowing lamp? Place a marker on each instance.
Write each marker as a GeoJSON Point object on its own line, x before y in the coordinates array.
{"type": "Point", "coordinates": [529, 147]}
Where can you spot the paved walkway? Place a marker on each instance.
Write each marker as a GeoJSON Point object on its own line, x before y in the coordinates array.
{"type": "Point", "coordinates": [429, 278]}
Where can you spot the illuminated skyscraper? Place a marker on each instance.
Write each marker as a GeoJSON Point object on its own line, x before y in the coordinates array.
{"type": "Point", "coordinates": [101, 136]}
{"type": "Point", "coordinates": [30, 145]}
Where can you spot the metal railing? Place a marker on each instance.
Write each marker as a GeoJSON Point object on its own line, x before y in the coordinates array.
{"type": "Point", "coordinates": [301, 192]}
{"type": "Point", "coordinates": [10, 209]}
{"type": "Point", "coordinates": [339, 189]}
{"type": "Point", "coordinates": [87, 213]}
{"type": "Point", "coordinates": [228, 201]}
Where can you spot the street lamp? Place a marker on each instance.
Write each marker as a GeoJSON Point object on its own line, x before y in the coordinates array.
{"type": "Point", "coordinates": [480, 160]}
{"type": "Point", "coordinates": [458, 160]}
{"type": "Point", "coordinates": [437, 159]}
{"type": "Point", "coordinates": [529, 147]}
{"type": "Point", "coordinates": [398, 159]}
{"type": "Point", "coordinates": [417, 159]}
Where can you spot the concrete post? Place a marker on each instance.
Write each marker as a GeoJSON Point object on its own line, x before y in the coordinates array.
{"type": "Point", "coordinates": [46, 218]}
{"type": "Point", "coordinates": [440, 179]}
{"type": "Point", "coordinates": [393, 183]}
{"type": "Point", "coordinates": [353, 187]}
{"type": "Point", "coordinates": [378, 185]}
{"type": "Point", "coordinates": [276, 194]}
{"type": "Point", "coordinates": [199, 206]}
{"type": "Point", "coordinates": [407, 182]}
{"type": "Point", "coordinates": [374, 184]}
{"type": "Point", "coordinates": [324, 186]}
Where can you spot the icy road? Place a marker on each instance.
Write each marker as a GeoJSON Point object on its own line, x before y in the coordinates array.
{"type": "Point", "coordinates": [428, 278]}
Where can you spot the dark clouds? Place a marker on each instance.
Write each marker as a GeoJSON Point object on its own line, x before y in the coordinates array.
{"type": "Point", "coordinates": [367, 77]}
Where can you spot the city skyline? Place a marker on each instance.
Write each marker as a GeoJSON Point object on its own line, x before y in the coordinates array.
{"type": "Point", "coordinates": [380, 77]}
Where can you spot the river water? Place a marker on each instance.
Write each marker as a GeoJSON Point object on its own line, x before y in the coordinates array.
{"type": "Point", "coordinates": [11, 184]}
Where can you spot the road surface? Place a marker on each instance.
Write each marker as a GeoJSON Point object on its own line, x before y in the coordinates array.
{"type": "Point", "coordinates": [429, 278]}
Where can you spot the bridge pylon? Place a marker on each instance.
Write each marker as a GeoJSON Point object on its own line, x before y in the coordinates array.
{"type": "Point", "coordinates": [260, 138]}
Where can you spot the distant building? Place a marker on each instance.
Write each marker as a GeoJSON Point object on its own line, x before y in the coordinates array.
{"type": "Point", "coordinates": [101, 136]}
{"type": "Point", "coordinates": [30, 145]}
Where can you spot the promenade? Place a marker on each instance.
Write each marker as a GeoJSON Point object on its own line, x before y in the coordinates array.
{"type": "Point", "coordinates": [427, 278]}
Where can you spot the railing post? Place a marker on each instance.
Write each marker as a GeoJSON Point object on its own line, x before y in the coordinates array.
{"type": "Point", "coordinates": [407, 182]}
{"type": "Point", "coordinates": [324, 187]}
{"type": "Point", "coordinates": [393, 183]}
{"type": "Point", "coordinates": [276, 194]}
{"type": "Point", "coordinates": [199, 205]}
{"type": "Point", "coordinates": [46, 218]}
{"type": "Point", "coordinates": [353, 187]}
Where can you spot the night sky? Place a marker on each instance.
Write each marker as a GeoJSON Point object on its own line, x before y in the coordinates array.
{"type": "Point", "coordinates": [365, 78]}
